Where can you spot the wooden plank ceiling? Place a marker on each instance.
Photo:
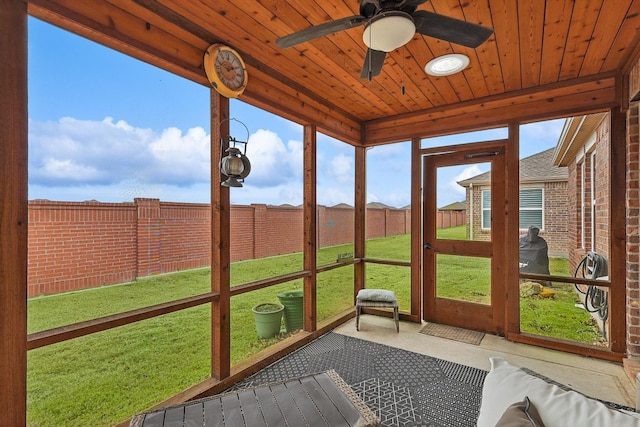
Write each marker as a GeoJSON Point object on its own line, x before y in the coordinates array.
{"type": "Point", "coordinates": [545, 59]}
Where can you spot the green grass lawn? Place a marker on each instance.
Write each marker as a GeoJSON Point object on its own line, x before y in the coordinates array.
{"type": "Point", "coordinates": [100, 379]}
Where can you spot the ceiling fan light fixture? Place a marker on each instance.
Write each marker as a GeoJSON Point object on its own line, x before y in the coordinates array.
{"type": "Point", "coordinates": [447, 65]}
{"type": "Point", "coordinates": [388, 31]}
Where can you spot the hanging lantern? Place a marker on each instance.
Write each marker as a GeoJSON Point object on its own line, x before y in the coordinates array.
{"type": "Point", "coordinates": [235, 165]}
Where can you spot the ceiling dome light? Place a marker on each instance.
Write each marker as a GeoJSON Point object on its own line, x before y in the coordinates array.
{"type": "Point", "coordinates": [447, 64]}
{"type": "Point", "coordinates": [388, 31]}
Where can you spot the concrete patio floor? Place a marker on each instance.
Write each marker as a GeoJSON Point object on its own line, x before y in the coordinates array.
{"type": "Point", "coordinates": [593, 377]}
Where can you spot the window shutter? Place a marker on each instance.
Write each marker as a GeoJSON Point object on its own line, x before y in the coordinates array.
{"type": "Point", "coordinates": [486, 209]}
{"type": "Point", "coordinates": [531, 198]}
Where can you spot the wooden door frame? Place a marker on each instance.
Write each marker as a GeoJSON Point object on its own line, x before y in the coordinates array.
{"type": "Point", "coordinates": [488, 318]}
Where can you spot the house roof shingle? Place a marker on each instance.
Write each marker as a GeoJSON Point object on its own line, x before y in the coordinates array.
{"type": "Point", "coordinates": [535, 168]}
{"type": "Point", "coordinates": [455, 206]}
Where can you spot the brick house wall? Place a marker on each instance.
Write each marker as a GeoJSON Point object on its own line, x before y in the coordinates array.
{"type": "Point", "coordinates": [555, 216]}
{"type": "Point", "coordinates": [601, 179]}
{"type": "Point", "coordinates": [633, 234]}
{"type": "Point", "coordinates": [556, 212]}
{"type": "Point", "coordinates": [574, 222]}
{"type": "Point", "coordinates": [583, 224]}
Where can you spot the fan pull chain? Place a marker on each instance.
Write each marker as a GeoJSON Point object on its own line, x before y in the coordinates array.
{"type": "Point", "coordinates": [402, 90]}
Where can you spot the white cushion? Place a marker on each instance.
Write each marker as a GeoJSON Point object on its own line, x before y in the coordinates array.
{"type": "Point", "coordinates": [376, 295]}
{"type": "Point", "coordinates": [506, 384]}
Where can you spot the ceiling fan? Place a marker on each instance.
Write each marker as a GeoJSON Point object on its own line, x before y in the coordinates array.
{"type": "Point", "coordinates": [390, 24]}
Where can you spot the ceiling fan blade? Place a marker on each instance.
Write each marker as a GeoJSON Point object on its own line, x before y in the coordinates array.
{"type": "Point", "coordinates": [320, 30]}
{"type": "Point", "coordinates": [415, 2]}
{"type": "Point", "coordinates": [450, 29]}
{"type": "Point", "coordinates": [372, 64]}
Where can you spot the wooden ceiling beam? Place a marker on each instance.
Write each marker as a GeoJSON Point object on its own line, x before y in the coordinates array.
{"type": "Point", "coordinates": [545, 102]}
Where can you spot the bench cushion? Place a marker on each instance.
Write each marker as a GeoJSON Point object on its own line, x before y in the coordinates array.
{"type": "Point", "coordinates": [381, 295]}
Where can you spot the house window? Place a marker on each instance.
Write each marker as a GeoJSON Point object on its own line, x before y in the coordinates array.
{"type": "Point", "coordinates": [486, 209]}
{"type": "Point", "coordinates": [531, 208]}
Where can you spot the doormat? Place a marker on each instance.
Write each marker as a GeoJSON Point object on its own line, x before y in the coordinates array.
{"type": "Point", "coordinates": [452, 333]}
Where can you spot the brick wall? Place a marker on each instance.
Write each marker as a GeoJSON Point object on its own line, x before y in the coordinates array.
{"type": "Point", "coordinates": [575, 244]}
{"type": "Point", "coordinates": [601, 183]}
{"type": "Point", "coordinates": [80, 245]}
{"type": "Point", "coordinates": [335, 225]}
{"type": "Point", "coordinates": [83, 245]}
{"type": "Point", "coordinates": [633, 233]}
{"type": "Point", "coordinates": [556, 212]}
{"type": "Point", "coordinates": [242, 224]}
{"type": "Point", "coordinates": [555, 217]}
{"type": "Point", "coordinates": [446, 219]}
{"type": "Point", "coordinates": [282, 231]}
{"type": "Point", "coordinates": [185, 240]}
{"type": "Point", "coordinates": [585, 218]}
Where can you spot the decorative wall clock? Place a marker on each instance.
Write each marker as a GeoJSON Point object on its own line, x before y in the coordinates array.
{"type": "Point", "coordinates": [225, 70]}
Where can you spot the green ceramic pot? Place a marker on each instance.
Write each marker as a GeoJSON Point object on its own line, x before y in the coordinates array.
{"type": "Point", "coordinates": [268, 318]}
{"type": "Point", "coordinates": [293, 309]}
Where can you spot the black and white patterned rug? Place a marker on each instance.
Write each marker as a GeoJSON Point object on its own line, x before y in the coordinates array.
{"type": "Point", "coordinates": [402, 387]}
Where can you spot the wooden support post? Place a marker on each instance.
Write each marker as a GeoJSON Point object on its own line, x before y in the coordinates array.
{"type": "Point", "coordinates": [360, 218]}
{"type": "Point", "coordinates": [416, 229]}
{"type": "Point", "coordinates": [509, 246]}
{"type": "Point", "coordinates": [617, 226]}
{"type": "Point", "coordinates": [310, 229]}
{"type": "Point", "coordinates": [13, 213]}
{"type": "Point", "coordinates": [220, 245]}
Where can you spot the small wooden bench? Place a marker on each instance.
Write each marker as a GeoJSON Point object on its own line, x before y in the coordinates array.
{"type": "Point", "coordinates": [377, 298]}
{"type": "Point", "coordinates": [321, 399]}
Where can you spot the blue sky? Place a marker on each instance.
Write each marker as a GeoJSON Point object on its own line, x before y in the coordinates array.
{"type": "Point", "coordinates": [106, 127]}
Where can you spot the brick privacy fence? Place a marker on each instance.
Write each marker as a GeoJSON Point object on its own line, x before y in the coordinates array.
{"type": "Point", "coordinates": [78, 245]}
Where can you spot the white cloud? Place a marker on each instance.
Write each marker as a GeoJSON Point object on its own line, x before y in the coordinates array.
{"type": "Point", "coordinates": [469, 172]}
{"type": "Point", "coordinates": [72, 159]}
{"type": "Point", "coordinates": [67, 169]}
{"type": "Point", "coordinates": [72, 151]}
{"type": "Point", "coordinates": [342, 169]}
{"type": "Point", "coordinates": [181, 158]}
{"type": "Point", "coordinates": [296, 148]}
{"type": "Point", "coordinates": [112, 160]}
{"type": "Point", "coordinates": [272, 162]}
{"type": "Point", "coordinates": [466, 173]}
